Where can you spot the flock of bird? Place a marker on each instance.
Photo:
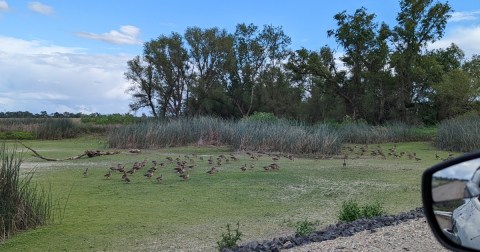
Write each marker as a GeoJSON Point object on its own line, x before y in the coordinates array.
{"type": "Point", "coordinates": [183, 166]}
{"type": "Point", "coordinates": [359, 151]}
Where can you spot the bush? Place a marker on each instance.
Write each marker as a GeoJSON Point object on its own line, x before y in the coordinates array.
{"type": "Point", "coordinates": [230, 239]}
{"type": "Point", "coordinates": [16, 135]}
{"type": "Point", "coordinates": [22, 205]}
{"type": "Point", "coordinates": [372, 210]}
{"type": "Point", "coordinates": [304, 228]}
{"type": "Point", "coordinates": [262, 117]}
{"type": "Point", "coordinates": [351, 211]}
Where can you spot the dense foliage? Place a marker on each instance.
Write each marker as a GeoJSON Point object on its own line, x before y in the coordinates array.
{"type": "Point", "coordinates": [386, 73]}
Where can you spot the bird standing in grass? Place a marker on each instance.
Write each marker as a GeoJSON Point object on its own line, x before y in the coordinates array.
{"type": "Point", "coordinates": [159, 179]}
{"type": "Point", "coordinates": [344, 162]}
{"type": "Point", "coordinates": [184, 176]}
{"type": "Point", "coordinates": [108, 175]}
{"type": "Point", "coordinates": [212, 171]}
{"type": "Point", "coordinates": [85, 173]}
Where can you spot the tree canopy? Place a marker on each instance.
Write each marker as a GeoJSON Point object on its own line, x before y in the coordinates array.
{"type": "Point", "coordinates": [379, 73]}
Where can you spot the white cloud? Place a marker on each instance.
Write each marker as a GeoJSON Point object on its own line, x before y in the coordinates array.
{"type": "Point", "coordinates": [40, 8]}
{"type": "Point", "coordinates": [464, 15]}
{"type": "Point", "coordinates": [3, 5]}
{"type": "Point", "coordinates": [37, 76]}
{"type": "Point", "coordinates": [467, 38]}
{"type": "Point", "coordinates": [128, 34]}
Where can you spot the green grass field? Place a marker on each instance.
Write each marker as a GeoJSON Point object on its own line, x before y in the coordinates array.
{"type": "Point", "coordinates": [96, 214]}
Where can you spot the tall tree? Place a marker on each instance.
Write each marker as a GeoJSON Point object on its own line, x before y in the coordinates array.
{"type": "Point", "coordinates": [252, 49]}
{"type": "Point", "coordinates": [357, 35]}
{"type": "Point", "coordinates": [209, 51]}
{"type": "Point", "coordinates": [144, 85]}
{"type": "Point", "coordinates": [419, 22]}
{"type": "Point", "coordinates": [169, 59]}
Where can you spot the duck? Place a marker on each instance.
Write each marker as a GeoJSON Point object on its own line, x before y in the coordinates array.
{"type": "Point", "coordinates": [184, 176]}
{"type": "Point", "coordinates": [159, 179]}
{"type": "Point", "coordinates": [108, 175]}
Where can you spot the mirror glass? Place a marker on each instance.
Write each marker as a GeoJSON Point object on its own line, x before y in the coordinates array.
{"type": "Point", "coordinates": [455, 193]}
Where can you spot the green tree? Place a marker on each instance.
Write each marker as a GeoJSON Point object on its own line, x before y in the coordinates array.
{"type": "Point", "coordinates": [144, 85]}
{"type": "Point", "coordinates": [160, 77]}
{"type": "Point", "coordinates": [419, 22]}
{"type": "Point", "coordinates": [209, 51]}
{"type": "Point", "coordinates": [254, 50]}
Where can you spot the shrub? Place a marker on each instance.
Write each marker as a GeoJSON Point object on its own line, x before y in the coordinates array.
{"type": "Point", "coordinates": [230, 239]}
{"type": "Point", "coordinates": [351, 211]}
{"type": "Point", "coordinates": [372, 210]}
{"type": "Point", "coordinates": [304, 228]}
{"type": "Point", "coordinates": [22, 205]}
{"type": "Point", "coordinates": [262, 117]}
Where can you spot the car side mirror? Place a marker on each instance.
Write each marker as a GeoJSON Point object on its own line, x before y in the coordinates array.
{"type": "Point", "coordinates": [450, 194]}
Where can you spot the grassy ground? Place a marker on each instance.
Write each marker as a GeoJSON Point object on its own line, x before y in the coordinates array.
{"type": "Point", "coordinates": [110, 215]}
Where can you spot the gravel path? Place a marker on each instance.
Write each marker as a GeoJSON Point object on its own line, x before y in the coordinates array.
{"type": "Point", "coordinates": [403, 232]}
{"type": "Point", "coordinates": [414, 235]}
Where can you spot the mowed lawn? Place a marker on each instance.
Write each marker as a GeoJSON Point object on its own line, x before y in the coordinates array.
{"type": "Point", "coordinates": [98, 214]}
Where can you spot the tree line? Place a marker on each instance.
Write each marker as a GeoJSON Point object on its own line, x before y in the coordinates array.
{"type": "Point", "coordinates": [383, 74]}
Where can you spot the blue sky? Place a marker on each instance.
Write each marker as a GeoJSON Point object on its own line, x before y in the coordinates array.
{"type": "Point", "coordinates": [70, 55]}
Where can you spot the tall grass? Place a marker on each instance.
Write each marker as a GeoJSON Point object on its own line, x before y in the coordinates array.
{"type": "Point", "coordinates": [363, 133]}
{"type": "Point", "coordinates": [242, 135]}
{"type": "Point", "coordinates": [22, 204]}
{"type": "Point", "coordinates": [459, 134]}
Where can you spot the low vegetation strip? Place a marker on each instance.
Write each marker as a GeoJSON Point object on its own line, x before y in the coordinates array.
{"type": "Point", "coordinates": [341, 229]}
{"type": "Point", "coordinates": [257, 135]}
{"type": "Point", "coordinates": [242, 135]}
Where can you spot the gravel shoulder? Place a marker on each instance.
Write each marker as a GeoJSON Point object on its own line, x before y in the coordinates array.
{"type": "Point", "coordinates": [413, 235]}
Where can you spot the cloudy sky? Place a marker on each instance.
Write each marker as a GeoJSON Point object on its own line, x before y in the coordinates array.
{"type": "Point", "coordinates": [58, 55]}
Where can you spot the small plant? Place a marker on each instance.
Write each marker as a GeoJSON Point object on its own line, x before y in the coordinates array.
{"type": "Point", "coordinates": [372, 210]}
{"type": "Point", "coordinates": [304, 228]}
{"type": "Point", "coordinates": [230, 239]}
{"type": "Point", "coordinates": [351, 211]}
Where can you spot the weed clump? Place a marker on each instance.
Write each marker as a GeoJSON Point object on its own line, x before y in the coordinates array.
{"type": "Point", "coordinates": [304, 228]}
{"type": "Point", "coordinates": [351, 211]}
{"type": "Point", "coordinates": [230, 239]}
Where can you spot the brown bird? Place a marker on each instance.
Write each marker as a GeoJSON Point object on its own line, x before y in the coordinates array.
{"type": "Point", "coordinates": [344, 162]}
{"type": "Point", "coordinates": [149, 175]}
{"type": "Point", "coordinates": [108, 175]}
{"type": "Point", "coordinates": [85, 173]}
{"type": "Point", "coordinates": [437, 156]}
{"type": "Point", "coordinates": [274, 166]}
{"type": "Point", "coordinates": [212, 171]}
{"type": "Point", "coordinates": [159, 179]}
{"type": "Point", "coordinates": [127, 180]}
{"type": "Point", "coordinates": [418, 159]}
{"type": "Point", "coordinates": [120, 168]}
{"type": "Point", "coordinates": [184, 176]}
{"type": "Point", "coordinates": [243, 167]}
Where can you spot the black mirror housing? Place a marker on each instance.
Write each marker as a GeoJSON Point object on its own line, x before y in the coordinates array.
{"type": "Point", "coordinates": [464, 189]}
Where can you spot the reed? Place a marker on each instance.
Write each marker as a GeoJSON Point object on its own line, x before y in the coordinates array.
{"type": "Point", "coordinates": [459, 134]}
{"type": "Point", "coordinates": [23, 205]}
